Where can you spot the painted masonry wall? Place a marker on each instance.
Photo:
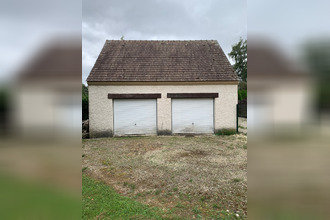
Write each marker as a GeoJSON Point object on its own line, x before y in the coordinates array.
{"type": "Point", "coordinates": [101, 108]}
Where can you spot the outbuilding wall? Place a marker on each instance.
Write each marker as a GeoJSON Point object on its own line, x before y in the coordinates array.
{"type": "Point", "coordinates": [101, 108]}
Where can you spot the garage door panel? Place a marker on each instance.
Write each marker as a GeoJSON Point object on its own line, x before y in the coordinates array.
{"type": "Point", "coordinates": [192, 115]}
{"type": "Point", "coordinates": [135, 116]}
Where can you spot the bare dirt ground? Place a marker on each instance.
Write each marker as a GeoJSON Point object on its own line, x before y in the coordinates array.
{"type": "Point", "coordinates": [190, 176]}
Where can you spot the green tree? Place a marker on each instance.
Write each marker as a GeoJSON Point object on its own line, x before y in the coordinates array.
{"type": "Point", "coordinates": [4, 110]}
{"type": "Point", "coordinates": [239, 55]}
{"type": "Point", "coordinates": [84, 102]}
{"type": "Point", "coordinates": [317, 57]}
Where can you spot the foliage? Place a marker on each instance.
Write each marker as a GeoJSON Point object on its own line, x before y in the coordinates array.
{"type": "Point", "coordinates": [100, 201]}
{"type": "Point", "coordinates": [239, 55]}
{"type": "Point", "coordinates": [4, 110]}
{"type": "Point", "coordinates": [242, 85]}
{"type": "Point", "coordinates": [226, 132]}
{"type": "Point", "coordinates": [84, 102]}
{"type": "Point", "coordinates": [317, 57]}
{"type": "Point", "coordinates": [242, 95]}
{"type": "Point", "coordinates": [3, 100]}
{"type": "Point", "coordinates": [323, 99]}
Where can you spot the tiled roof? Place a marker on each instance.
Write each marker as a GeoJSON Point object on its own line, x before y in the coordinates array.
{"type": "Point", "coordinates": [55, 61]}
{"type": "Point", "coordinates": [267, 62]}
{"type": "Point", "coordinates": [161, 61]}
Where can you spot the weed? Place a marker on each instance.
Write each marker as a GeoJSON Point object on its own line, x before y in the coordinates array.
{"type": "Point", "coordinates": [230, 215]}
{"type": "Point", "coordinates": [196, 210]}
{"type": "Point", "coordinates": [139, 195]}
{"type": "Point", "coordinates": [84, 169]}
{"type": "Point", "coordinates": [226, 132]}
{"type": "Point", "coordinates": [168, 194]}
{"type": "Point", "coordinates": [157, 192]}
{"type": "Point", "coordinates": [236, 180]}
{"type": "Point", "coordinates": [179, 205]}
{"type": "Point", "coordinates": [131, 186]}
{"type": "Point", "coordinates": [106, 162]}
{"type": "Point", "coordinates": [189, 197]}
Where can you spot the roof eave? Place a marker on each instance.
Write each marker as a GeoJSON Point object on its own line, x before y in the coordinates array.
{"type": "Point", "coordinates": [223, 82]}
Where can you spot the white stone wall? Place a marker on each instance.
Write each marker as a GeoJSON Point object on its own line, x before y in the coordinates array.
{"type": "Point", "coordinates": [277, 105]}
{"type": "Point", "coordinates": [47, 109]}
{"type": "Point", "coordinates": [101, 108]}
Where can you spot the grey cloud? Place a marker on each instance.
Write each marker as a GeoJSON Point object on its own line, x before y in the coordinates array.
{"type": "Point", "coordinates": [224, 21]}
{"type": "Point", "coordinates": [28, 25]}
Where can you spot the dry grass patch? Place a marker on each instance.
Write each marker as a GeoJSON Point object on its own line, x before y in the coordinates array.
{"type": "Point", "coordinates": [198, 176]}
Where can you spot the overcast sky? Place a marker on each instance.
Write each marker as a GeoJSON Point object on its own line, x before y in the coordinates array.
{"type": "Point", "coordinates": [27, 26]}
{"type": "Point", "coordinates": [222, 20]}
{"type": "Point", "coordinates": [289, 24]}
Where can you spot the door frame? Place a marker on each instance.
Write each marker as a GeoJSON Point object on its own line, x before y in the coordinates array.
{"type": "Point", "coordinates": [192, 98]}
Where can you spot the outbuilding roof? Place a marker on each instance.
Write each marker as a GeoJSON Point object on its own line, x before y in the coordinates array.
{"type": "Point", "coordinates": [55, 61]}
{"type": "Point", "coordinates": [161, 61]}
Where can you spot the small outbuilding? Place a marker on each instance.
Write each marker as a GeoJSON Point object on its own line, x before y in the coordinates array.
{"type": "Point", "coordinates": [161, 87]}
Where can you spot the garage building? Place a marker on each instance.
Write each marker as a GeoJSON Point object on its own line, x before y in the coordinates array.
{"type": "Point", "coordinates": [161, 87]}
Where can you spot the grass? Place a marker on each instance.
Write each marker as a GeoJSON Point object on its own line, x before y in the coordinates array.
{"type": "Point", "coordinates": [184, 176]}
{"type": "Point", "coordinates": [22, 199]}
{"type": "Point", "coordinates": [100, 201]}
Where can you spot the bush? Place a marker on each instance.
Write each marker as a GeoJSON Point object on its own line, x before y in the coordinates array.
{"type": "Point", "coordinates": [4, 110]}
{"type": "Point", "coordinates": [242, 95]}
{"type": "Point", "coordinates": [226, 132]}
{"type": "Point", "coordinates": [84, 102]}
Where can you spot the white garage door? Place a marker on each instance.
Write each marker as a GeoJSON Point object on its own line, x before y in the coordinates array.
{"type": "Point", "coordinates": [134, 116]}
{"type": "Point", "coordinates": [192, 115]}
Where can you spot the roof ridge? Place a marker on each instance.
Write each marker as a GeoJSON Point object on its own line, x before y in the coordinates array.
{"type": "Point", "coordinates": [160, 40]}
